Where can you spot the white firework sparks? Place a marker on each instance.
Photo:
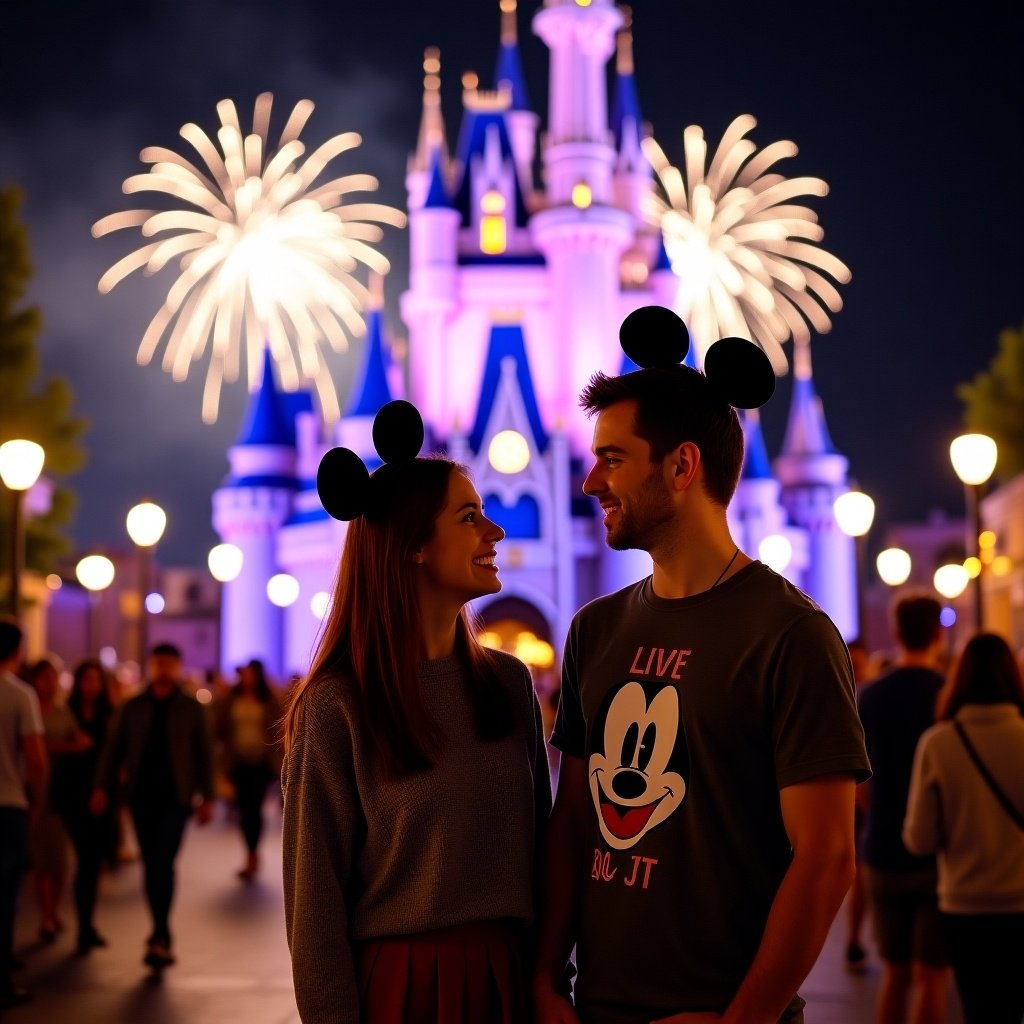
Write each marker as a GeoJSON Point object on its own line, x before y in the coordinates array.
{"type": "Point", "coordinates": [266, 258]}
{"type": "Point", "coordinates": [742, 249]}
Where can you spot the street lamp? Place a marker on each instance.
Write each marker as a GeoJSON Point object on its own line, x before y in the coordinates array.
{"type": "Point", "coordinates": [951, 580]}
{"type": "Point", "coordinates": [225, 562]}
{"type": "Point", "coordinates": [893, 566]}
{"type": "Point", "coordinates": [95, 573]}
{"type": "Point", "coordinates": [974, 458]}
{"type": "Point", "coordinates": [146, 523]}
{"type": "Point", "coordinates": [21, 462]}
{"type": "Point", "coordinates": [855, 512]}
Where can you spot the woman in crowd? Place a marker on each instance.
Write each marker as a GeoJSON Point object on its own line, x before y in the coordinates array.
{"type": "Point", "coordinates": [248, 724]}
{"type": "Point", "coordinates": [967, 805]}
{"type": "Point", "coordinates": [92, 835]}
{"type": "Point", "coordinates": [416, 778]}
{"type": "Point", "coordinates": [48, 838]}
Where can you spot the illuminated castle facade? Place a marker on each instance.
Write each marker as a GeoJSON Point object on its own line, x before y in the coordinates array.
{"type": "Point", "coordinates": [516, 292]}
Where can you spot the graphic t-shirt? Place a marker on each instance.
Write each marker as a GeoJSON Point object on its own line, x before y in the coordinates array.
{"type": "Point", "coordinates": [691, 715]}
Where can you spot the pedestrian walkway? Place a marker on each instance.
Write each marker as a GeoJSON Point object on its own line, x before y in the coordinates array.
{"type": "Point", "coordinates": [233, 959]}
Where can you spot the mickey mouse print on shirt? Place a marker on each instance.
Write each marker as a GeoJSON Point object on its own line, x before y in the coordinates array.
{"type": "Point", "coordinates": [639, 765]}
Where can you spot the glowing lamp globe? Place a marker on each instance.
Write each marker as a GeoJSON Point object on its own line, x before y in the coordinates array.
{"type": "Point", "coordinates": [582, 196]}
{"type": "Point", "coordinates": [319, 604]}
{"type": "Point", "coordinates": [283, 590]}
{"type": "Point", "coordinates": [508, 452]}
{"type": "Point", "coordinates": [21, 462]}
{"type": "Point", "coordinates": [775, 551]}
{"type": "Point", "coordinates": [893, 566]}
{"type": "Point", "coordinates": [973, 457]}
{"type": "Point", "coordinates": [854, 512]}
{"type": "Point", "coordinates": [95, 572]}
{"type": "Point", "coordinates": [225, 562]}
{"type": "Point", "coordinates": [950, 580]}
{"type": "Point", "coordinates": [146, 523]}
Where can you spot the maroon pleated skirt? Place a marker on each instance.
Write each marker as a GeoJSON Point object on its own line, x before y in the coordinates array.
{"type": "Point", "coordinates": [471, 974]}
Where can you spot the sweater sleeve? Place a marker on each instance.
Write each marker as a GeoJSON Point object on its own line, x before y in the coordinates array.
{"type": "Point", "coordinates": [922, 832]}
{"type": "Point", "coordinates": [320, 822]}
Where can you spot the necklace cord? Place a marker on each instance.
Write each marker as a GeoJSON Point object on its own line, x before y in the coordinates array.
{"type": "Point", "coordinates": [728, 566]}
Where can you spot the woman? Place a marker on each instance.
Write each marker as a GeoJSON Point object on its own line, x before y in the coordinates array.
{"type": "Point", "coordinates": [416, 777]}
{"type": "Point", "coordinates": [954, 811]}
{"type": "Point", "coordinates": [48, 838]}
{"type": "Point", "coordinates": [92, 835]}
{"type": "Point", "coordinates": [248, 721]}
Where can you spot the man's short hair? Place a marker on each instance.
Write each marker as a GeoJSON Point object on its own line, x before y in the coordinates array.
{"type": "Point", "coordinates": [917, 619]}
{"type": "Point", "coordinates": [11, 636]}
{"type": "Point", "coordinates": [676, 404]}
{"type": "Point", "coordinates": [165, 650]}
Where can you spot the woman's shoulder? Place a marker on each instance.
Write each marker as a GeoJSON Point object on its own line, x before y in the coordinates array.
{"type": "Point", "coordinates": [510, 668]}
{"type": "Point", "coordinates": [328, 699]}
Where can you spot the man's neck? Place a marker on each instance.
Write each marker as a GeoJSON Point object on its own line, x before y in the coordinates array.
{"type": "Point", "coordinates": [917, 659]}
{"type": "Point", "coordinates": [696, 564]}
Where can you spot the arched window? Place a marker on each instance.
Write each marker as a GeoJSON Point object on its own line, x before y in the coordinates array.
{"type": "Point", "coordinates": [493, 229]}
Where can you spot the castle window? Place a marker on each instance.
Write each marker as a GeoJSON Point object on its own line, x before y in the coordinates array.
{"type": "Point", "coordinates": [493, 229]}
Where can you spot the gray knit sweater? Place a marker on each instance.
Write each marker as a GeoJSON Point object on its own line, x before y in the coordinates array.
{"type": "Point", "coordinates": [366, 857]}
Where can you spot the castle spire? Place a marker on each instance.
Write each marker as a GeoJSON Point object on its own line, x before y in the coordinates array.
{"type": "Point", "coordinates": [431, 137]}
{"type": "Point", "coordinates": [265, 422]}
{"type": "Point", "coordinates": [806, 432]}
{"type": "Point", "coordinates": [508, 74]}
{"type": "Point", "coordinates": [625, 104]}
{"type": "Point", "coordinates": [373, 390]}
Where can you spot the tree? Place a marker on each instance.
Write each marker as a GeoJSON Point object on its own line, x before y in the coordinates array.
{"type": "Point", "coordinates": [994, 402]}
{"type": "Point", "coordinates": [38, 412]}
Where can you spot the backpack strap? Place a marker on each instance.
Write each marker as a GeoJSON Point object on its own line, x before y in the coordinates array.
{"type": "Point", "coordinates": [1003, 799]}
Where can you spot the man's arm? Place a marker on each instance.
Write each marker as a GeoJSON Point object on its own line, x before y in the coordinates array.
{"type": "Point", "coordinates": [818, 816]}
{"type": "Point", "coordinates": [560, 878]}
{"type": "Point", "coordinates": [37, 766]}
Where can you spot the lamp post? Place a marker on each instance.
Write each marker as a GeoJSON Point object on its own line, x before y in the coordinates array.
{"type": "Point", "coordinates": [95, 573]}
{"type": "Point", "coordinates": [855, 512]}
{"type": "Point", "coordinates": [974, 458]}
{"type": "Point", "coordinates": [145, 523]}
{"type": "Point", "coordinates": [21, 462]}
{"type": "Point", "coordinates": [225, 562]}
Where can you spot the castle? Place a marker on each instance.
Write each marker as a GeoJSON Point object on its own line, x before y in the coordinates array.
{"type": "Point", "coordinates": [516, 292]}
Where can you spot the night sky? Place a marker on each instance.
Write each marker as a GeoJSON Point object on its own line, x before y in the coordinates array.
{"type": "Point", "coordinates": [916, 121]}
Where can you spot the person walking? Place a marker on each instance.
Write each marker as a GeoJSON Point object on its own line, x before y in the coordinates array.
{"type": "Point", "coordinates": [161, 744]}
{"type": "Point", "coordinates": [896, 709]}
{"type": "Point", "coordinates": [92, 835]}
{"type": "Point", "coordinates": [966, 805]}
{"type": "Point", "coordinates": [248, 728]}
{"type": "Point", "coordinates": [23, 774]}
{"type": "Point", "coordinates": [415, 777]}
{"type": "Point", "coordinates": [701, 841]}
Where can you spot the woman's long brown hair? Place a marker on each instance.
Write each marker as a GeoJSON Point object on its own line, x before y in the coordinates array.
{"type": "Point", "coordinates": [985, 673]}
{"type": "Point", "coordinates": [373, 635]}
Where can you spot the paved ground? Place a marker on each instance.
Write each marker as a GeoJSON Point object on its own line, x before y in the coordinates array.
{"type": "Point", "coordinates": [233, 961]}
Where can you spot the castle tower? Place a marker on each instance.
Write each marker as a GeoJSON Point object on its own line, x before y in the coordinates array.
{"type": "Point", "coordinates": [249, 509]}
{"type": "Point", "coordinates": [509, 78]}
{"type": "Point", "coordinates": [813, 474]}
{"type": "Point", "coordinates": [581, 232]}
{"type": "Point", "coordinates": [431, 143]}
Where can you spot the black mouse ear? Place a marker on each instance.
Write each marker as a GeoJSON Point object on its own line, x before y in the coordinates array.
{"type": "Point", "coordinates": [653, 336]}
{"type": "Point", "coordinates": [398, 431]}
{"type": "Point", "coordinates": [342, 481]}
{"type": "Point", "coordinates": [739, 373]}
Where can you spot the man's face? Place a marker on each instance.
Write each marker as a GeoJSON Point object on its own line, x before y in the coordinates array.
{"type": "Point", "coordinates": [164, 673]}
{"type": "Point", "coordinates": [631, 489]}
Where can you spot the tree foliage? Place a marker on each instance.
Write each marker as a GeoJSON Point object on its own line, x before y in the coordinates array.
{"type": "Point", "coordinates": [38, 411]}
{"type": "Point", "coordinates": [994, 402]}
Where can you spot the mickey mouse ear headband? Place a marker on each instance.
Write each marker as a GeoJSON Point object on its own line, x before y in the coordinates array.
{"type": "Point", "coordinates": [737, 370]}
{"type": "Point", "coordinates": [343, 482]}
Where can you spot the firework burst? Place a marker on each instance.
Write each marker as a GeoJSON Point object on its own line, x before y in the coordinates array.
{"type": "Point", "coordinates": [266, 255]}
{"type": "Point", "coordinates": [743, 250]}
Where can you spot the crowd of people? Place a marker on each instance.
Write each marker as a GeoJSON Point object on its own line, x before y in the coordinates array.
{"type": "Point", "coordinates": [91, 776]}
{"type": "Point", "coordinates": [724, 771]}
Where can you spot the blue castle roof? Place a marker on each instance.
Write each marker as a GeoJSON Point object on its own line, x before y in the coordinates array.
{"type": "Point", "coordinates": [372, 391]}
{"type": "Point", "coordinates": [510, 70]}
{"type": "Point", "coordinates": [472, 141]}
{"type": "Point", "coordinates": [806, 431]}
{"type": "Point", "coordinates": [437, 194]}
{"type": "Point", "coordinates": [625, 104]}
{"type": "Point", "coordinates": [756, 464]}
{"type": "Point", "coordinates": [662, 262]}
{"type": "Point", "coordinates": [266, 420]}
{"type": "Point", "coordinates": [507, 341]}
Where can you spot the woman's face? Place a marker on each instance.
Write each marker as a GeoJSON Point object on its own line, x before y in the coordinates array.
{"type": "Point", "coordinates": [91, 684]}
{"type": "Point", "coordinates": [45, 683]}
{"type": "Point", "coordinates": [458, 563]}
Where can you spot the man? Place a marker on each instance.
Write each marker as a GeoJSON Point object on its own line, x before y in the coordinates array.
{"type": "Point", "coordinates": [702, 837]}
{"type": "Point", "coordinates": [23, 770]}
{"type": "Point", "coordinates": [901, 888]}
{"type": "Point", "coordinates": [160, 742]}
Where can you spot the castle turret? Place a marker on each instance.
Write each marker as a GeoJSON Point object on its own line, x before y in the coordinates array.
{"type": "Point", "coordinates": [249, 509]}
{"type": "Point", "coordinates": [813, 474]}
{"type": "Point", "coordinates": [431, 144]}
{"type": "Point", "coordinates": [521, 119]}
{"type": "Point", "coordinates": [581, 233]}
{"type": "Point", "coordinates": [633, 175]}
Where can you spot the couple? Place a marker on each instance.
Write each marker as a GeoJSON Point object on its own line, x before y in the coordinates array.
{"type": "Point", "coordinates": [701, 839]}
